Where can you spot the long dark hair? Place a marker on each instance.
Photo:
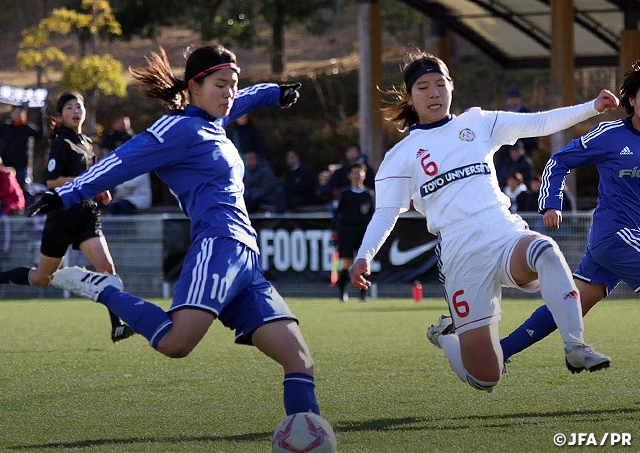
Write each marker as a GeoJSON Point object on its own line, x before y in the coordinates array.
{"type": "Point", "coordinates": [629, 87]}
{"type": "Point", "coordinates": [158, 81]}
{"type": "Point", "coordinates": [414, 64]}
{"type": "Point", "coordinates": [59, 105]}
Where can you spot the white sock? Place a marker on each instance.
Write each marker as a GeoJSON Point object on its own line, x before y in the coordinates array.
{"type": "Point", "coordinates": [451, 346]}
{"type": "Point", "coordinates": [558, 289]}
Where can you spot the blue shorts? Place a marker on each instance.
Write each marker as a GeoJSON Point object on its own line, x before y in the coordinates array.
{"type": "Point", "coordinates": [612, 260]}
{"type": "Point", "coordinates": [223, 276]}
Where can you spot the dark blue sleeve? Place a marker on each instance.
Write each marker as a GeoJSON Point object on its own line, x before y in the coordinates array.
{"type": "Point", "coordinates": [251, 98]}
{"type": "Point", "coordinates": [575, 154]}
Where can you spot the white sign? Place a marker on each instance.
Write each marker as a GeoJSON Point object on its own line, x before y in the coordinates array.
{"type": "Point", "coordinates": [29, 97]}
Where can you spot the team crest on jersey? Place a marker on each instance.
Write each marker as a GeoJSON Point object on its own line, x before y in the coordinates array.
{"type": "Point", "coordinates": [467, 135]}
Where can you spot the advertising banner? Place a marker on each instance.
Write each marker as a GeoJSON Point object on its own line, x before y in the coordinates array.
{"type": "Point", "coordinates": [299, 248]}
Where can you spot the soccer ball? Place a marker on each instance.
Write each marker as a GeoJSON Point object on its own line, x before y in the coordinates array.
{"type": "Point", "coordinates": [304, 432]}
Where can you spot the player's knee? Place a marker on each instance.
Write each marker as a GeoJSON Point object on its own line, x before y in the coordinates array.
{"type": "Point", "coordinates": [175, 349]}
{"type": "Point", "coordinates": [542, 249]}
{"type": "Point", "coordinates": [486, 386]}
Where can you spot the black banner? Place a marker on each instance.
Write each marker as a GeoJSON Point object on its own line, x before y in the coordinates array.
{"type": "Point", "coordinates": [299, 248]}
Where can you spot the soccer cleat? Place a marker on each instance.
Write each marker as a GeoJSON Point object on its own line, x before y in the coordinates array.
{"type": "Point", "coordinates": [444, 326]}
{"type": "Point", "coordinates": [122, 332]}
{"type": "Point", "coordinates": [84, 283]}
{"type": "Point", "coordinates": [584, 357]}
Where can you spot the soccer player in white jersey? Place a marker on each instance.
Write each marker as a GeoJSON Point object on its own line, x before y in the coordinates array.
{"type": "Point", "coordinates": [613, 245]}
{"type": "Point", "coordinates": [445, 164]}
{"type": "Point", "coordinates": [222, 276]}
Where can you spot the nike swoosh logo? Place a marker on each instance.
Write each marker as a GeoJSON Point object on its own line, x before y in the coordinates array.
{"type": "Point", "coordinates": [399, 257]}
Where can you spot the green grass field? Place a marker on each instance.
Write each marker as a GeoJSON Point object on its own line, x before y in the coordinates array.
{"type": "Point", "coordinates": [65, 387]}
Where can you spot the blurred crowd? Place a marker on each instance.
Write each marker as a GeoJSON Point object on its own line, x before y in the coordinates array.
{"type": "Point", "coordinates": [298, 189]}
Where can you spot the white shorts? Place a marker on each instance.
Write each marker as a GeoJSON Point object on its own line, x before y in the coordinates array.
{"type": "Point", "coordinates": [475, 261]}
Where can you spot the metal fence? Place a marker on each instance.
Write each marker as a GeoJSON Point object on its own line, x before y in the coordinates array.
{"type": "Point", "coordinates": [142, 245]}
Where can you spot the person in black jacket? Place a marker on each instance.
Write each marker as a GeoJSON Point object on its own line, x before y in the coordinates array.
{"type": "Point", "coordinates": [18, 139]}
{"type": "Point", "coordinates": [350, 220]}
{"type": "Point", "coordinates": [299, 183]}
{"type": "Point", "coordinates": [246, 136]}
{"type": "Point", "coordinates": [340, 177]}
{"type": "Point", "coordinates": [70, 154]}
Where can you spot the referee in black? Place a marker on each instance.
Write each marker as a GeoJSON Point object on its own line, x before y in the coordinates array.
{"type": "Point", "coordinates": [70, 153]}
{"type": "Point", "coordinates": [349, 223]}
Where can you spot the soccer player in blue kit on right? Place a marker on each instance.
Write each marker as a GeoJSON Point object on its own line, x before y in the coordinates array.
{"type": "Point", "coordinates": [222, 275]}
{"type": "Point", "coordinates": [613, 244]}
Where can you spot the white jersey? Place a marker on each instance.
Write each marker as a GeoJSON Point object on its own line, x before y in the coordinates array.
{"type": "Point", "coordinates": [447, 167]}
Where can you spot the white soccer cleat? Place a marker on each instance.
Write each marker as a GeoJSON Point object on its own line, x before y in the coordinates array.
{"type": "Point", "coordinates": [584, 357]}
{"type": "Point", "coordinates": [444, 326]}
{"type": "Point", "coordinates": [84, 283]}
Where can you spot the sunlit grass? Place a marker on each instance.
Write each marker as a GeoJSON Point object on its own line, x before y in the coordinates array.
{"type": "Point", "coordinates": [65, 387]}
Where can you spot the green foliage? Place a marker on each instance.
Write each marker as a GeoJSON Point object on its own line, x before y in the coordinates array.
{"type": "Point", "coordinates": [95, 72]}
{"type": "Point", "coordinates": [36, 52]}
{"type": "Point", "coordinates": [383, 387]}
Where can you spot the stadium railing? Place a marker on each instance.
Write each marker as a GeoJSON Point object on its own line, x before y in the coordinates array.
{"type": "Point", "coordinates": [148, 248]}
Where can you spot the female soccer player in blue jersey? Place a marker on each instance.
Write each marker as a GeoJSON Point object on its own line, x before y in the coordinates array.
{"type": "Point", "coordinates": [222, 276]}
{"type": "Point", "coordinates": [613, 243]}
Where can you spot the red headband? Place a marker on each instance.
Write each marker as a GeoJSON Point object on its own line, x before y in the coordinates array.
{"type": "Point", "coordinates": [215, 68]}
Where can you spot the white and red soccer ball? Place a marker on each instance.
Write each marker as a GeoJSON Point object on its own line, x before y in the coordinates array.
{"type": "Point", "coordinates": [304, 432]}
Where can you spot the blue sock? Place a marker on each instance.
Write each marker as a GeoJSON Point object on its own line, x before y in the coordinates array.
{"type": "Point", "coordinates": [539, 325]}
{"type": "Point", "coordinates": [299, 394]}
{"type": "Point", "coordinates": [145, 318]}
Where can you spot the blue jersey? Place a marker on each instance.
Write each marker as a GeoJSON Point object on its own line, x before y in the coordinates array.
{"type": "Point", "coordinates": [614, 147]}
{"type": "Point", "coordinates": [190, 152]}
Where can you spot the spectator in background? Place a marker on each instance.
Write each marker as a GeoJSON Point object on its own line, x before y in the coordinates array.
{"type": "Point", "coordinates": [323, 191]}
{"type": "Point", "coordinates": [340, 177]}
{"type": "Point", "coordinates": [131, 196]}
{"type": "Point", "coordinates": [11, 195]}
{"type": "Point", "coordinates": [352, 215]}
{"type": "Point", "coordinates": [528, 201]}
{"type": "Point", "coordinates": [246, 136]}
{"type": "Point", "coordinates": [134, 195]}
{"type": "Point", "coordinates": [261, 190]}
{"type": "Point", "coordinates": [516, 190]}
{"type": "Point", "coordinates": [18, 139]}
{"type": "Point", "coordinates": [517, 161]}
{"type": "Point", "coordinates": [120, 132]}
{"type": "Point", "coordinates": [299, 183]}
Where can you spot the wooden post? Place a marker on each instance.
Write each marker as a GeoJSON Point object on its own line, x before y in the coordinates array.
{"type": "Point", "coordinates": [562, 71]}
{"type": "Point", "coordinates": [370, 79]}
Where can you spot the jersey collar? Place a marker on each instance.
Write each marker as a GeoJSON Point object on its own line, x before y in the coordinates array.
{"type": "Point", "coordinates": [192, 110]}
{"type": "Point", "coordinates": [439, 123]}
